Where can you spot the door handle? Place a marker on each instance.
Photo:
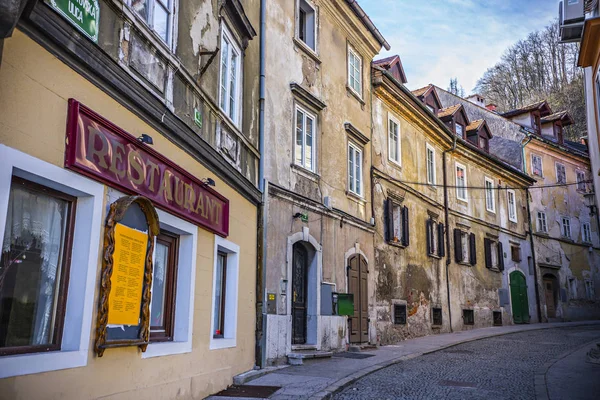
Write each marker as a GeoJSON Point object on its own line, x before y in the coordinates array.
{"type": "Point", "coordinates": [295, 296]}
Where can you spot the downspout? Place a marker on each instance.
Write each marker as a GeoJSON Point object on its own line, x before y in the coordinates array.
{"type": "Point", "coordinates": [447, 223]}
{"type": "Point", "coordinates": [263, 185]}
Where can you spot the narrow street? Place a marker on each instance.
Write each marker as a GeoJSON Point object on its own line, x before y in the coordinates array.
{"type": "Point", "coordinates": [502, 367]}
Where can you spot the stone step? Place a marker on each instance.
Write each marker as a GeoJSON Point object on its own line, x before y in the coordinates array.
{"type": "Point", "coordinates": [296, 357]}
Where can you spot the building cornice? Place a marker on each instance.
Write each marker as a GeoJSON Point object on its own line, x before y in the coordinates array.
{"type": "Point", "coordinates": [307, 97]}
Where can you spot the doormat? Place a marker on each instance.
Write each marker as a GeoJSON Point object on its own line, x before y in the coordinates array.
{"type": "Point", "coordinates": [357, 356]}
{"type": "Point", "coordinates": [252, 391]}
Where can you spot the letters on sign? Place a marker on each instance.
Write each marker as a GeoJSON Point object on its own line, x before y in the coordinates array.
{"type": "Point", "coordinates": [99, 149]}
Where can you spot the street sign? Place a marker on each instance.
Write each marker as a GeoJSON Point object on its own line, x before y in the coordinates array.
{"type": "Point", "coordinates": [83, 14]}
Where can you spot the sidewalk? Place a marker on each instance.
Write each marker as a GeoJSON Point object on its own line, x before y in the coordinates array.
{"type": "Point", "coordinates": [319, 379]}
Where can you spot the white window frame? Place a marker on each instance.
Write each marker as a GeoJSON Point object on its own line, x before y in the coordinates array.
{"type": "Point", "coordinates": [80, 303]}
{"type": "Point", "coordinates": [542, 223]}
{"type": "Point", "coordinates": [229, 338]}
{"type": "Point", "coordinates": [586, 232]}
{"type": "Point", "coordinates": [394, 120]}
{"type": "Point", "coordinates": [456, 167]}
{"type": "Point", "coordinates": [350, 69]}
{"type": "Point", "coordinates": [171, 19]}
{"type": "Point", "coordinates": [305, 114]}
{"type": "Point", "coordinates": [512, 207]}
{"type": "Point", "coordinates": [430, 170]}
{"type": "Point", "coordinates": [490, 199]}
{"type": "Point", "coordinates": [534, 156]}
{"type": "Point", "coordinates": [310, 4]}
{"type": "Point", "coordinates": [462, 132]}
{"type": "Point", "coordinates": [234, 47]}
{"type": "Point", "coordinates": [556, 165]}
{"type": "Point", "coordinates": [567, 233]}
{"type": "Point", "coordinates": [358, 190]}
{"type": "Point", "coordinates": [578, 174]}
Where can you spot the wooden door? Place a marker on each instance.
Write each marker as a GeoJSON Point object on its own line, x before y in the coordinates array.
{"type": "Point", "coordinates": [518, 294]}
{"type": "Point", "coordinates": [299, 301]}
{"type": "Point", "coordinates": [549, 291]}
{"type": "Point", "coordinates": [358, 286]}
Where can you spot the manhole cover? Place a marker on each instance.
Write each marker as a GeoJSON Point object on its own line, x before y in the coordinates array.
{"type": "Point", "coordinates": [251, 391]}
{"type": "Point", "coordinates": [457, 384]}
{"type": "Point", "coordinates": [357, 356]}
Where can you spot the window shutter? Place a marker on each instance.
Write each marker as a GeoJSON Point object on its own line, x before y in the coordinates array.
{"type": "Point", "coordinates": [458, 254]}
{"type": "Point", "coordinates": [500, 257]}
{"type": "Point", "coordinates": [472, 249]}
{"type": "Point", "coordinates": [429, 235]}
{"type": "Point", "coordinates": [487, 245]}
{"type": "Point", "coordinates": [405, 239]}
{"type": "Point", "coordinates": [389, 220]}
{"type": "Point", "coordinates": [441, 241]}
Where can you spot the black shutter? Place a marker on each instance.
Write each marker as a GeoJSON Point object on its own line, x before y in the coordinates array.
{"type": "Point", "coordinates": [472, 249]}
{"type": "Point", "coordinates": [487, 246]}
{"type": "Point", "coordinates": [500, 257]}
{"type": "Point", "coordinates": [388, 218]}
{"type": "Point", "coordinates": [429, 235]}
{"type": "Point", "coordinates": [441, 241]}
{"type": "Point", "coordinates": [458, 254]}
{"type": "Point", "coordinates": [405, 239]}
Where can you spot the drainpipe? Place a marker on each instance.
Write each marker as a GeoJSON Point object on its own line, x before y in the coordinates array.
{"type": "Point", "coordinates": [447, 223]}
{"type": "Point", "coordinates": [263, 185]}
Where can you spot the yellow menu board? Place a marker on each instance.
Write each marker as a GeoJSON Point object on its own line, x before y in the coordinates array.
{"type": "Point", "coordinates": [127, 278]}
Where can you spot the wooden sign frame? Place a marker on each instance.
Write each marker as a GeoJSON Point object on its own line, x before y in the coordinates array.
{"type": "Point", "coordinates": [117, 212]}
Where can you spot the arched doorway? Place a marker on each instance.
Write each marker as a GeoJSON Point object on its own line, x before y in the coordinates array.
{"type": "Point", "coordinates": [550, 294]}
{"type": "Point", "coordinates": [299, 293]}
{"type": "Point", "coordinates": [519, 300]}
{"type": "Point", "coordinates": [358, 286]}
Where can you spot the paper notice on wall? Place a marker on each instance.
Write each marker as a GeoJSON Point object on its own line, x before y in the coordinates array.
{"type": "Point", "coordinates": [127, 278]}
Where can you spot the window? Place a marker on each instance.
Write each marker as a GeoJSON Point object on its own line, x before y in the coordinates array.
{"type": "Point", "coordinates": [305, 136]}
{"type": "Point", "coordinates": [461, 182]}
{"type": "Point", "coordinates": [399, 314]}
{"type": "Point", "coordinates": [164, 278]}
{"type": "Point", "coordinates": [307, 24]}
{"type": "Point", "coordinates": [158, 14]}
{"type": "Point", "coordinates": [435, 238]}
{"type": "Point", "coordinates": [483, 143]}
{"type": "Point", "coordinates": [460, 131]}
{"type": "Point", "coordinates": [354, 71]}
{"type": "Point", "coordinates": [536, 165]}
{"type": "Point", "coordinates": [573, 288]}
{"type": "Point", "coordinates": [494, 254]}
{"type": "Point", "coordinates": [512, 206]}
{"type": "Point", "coordinates": [430, 108]}
{"type": "Point", "coordinates": [586, 235]}
{"type": "Point", "coordinates": [225, 295]}
{"type": "Point", "coordinates": [490, 203]}
{"type": "Point", "coordinates": [497, 315]}
{"type": "Point", "coordinates": [468, 317]}
{"type": "Point", "coordinates": [393, 140]}
{"type": "Point", "coordinates": [230, 90]}
{"type": "Point", "coordinates": [396, 223]}
{"type": "Point", "coordinates": [566, 227]}
{"type": "Point", "coordinates": [589, 289]}
{"type": "Point", "coordinates": [354, 169]}
{"type": "Point", "coordinates": [561, 173]}
{"type": "Point", "coordinates": [541, 222]}
{"type": "Point", "coordinates": [34, 268]}
{"type": "Point", "coordinates": [535, 122]}
{"type": "Point", "coordinates": [436, 316]}
{"type": "Point", "coordinates": [515, 253]}
{"type": "Point", "coordinates": [465, 248]}
{"type": "Point", "coordinates": [430, 165]}
{"type": "Point", "coordinates": [581, 180]}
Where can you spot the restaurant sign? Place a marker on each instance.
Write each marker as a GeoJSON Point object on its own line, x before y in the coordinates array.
{"type": "Point", "coordinates": [83, 14]}
{"type": "Point", "coordinates": [102, 151]}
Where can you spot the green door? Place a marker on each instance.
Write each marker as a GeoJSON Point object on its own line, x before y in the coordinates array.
{"type": "Point", "coordinates": [518, 294]}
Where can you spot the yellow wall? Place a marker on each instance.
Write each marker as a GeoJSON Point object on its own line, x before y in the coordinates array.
{"type": "Point", "coordinates": [34, 90]}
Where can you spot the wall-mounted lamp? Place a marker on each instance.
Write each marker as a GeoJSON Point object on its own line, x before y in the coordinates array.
{"type": "Point", "coordinates": [146, 139]}
{"type": "Point", "coordinates": [208, 182]}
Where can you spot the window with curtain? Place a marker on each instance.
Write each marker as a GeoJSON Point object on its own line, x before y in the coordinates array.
{"type": "Point", "coordinates": [354, 169]}
{"type": "Point", "coordinates": [219, 301]}
{"type": "Point", "coordinates": [512, 206]}
{"type": "Point", "coordinates": [354, 71]}
{"type": "Point", "coordinates": [490, 203]}
{"type": "Point", "coordinates": [158, 14]}
{"type": "Point", "coordinates": [461, 182]}
{"type": "Point", "coordinates": [305, 135]}
{"type": "Point", "coordinates": [34, 268]}
{"type": "Point", "coordinates": [536, 165]}
{"type": "Point", "coordinates": [430, 165]}
{"type": "Point", "coordinates": [393, 141]}
{"type": "Point", "coordinates": [164, 278]}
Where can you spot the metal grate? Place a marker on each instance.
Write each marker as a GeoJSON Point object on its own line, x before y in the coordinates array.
{"type": "Point", "coordinates": [399, 314]}
{"type": "Point", "coordinates": [497, 318]}
{"type": "Point", "coordinates": [436, 316]}
{"type": "Point", "coordinates": [251, 391]}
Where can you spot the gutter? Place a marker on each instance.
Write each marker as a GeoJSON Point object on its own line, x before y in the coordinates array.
{"type": "Point", "coordinates": [535, 274]}
{"type": "Point", "coordinates": [360, 13]}
{"type": "Point", "coordinates": [447, 224]}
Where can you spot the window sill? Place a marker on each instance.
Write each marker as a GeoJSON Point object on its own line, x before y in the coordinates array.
{"type": "Point", "coordinates": [355, 95]}
{"type": "Point", "coordinates": [217, 344]}
{"type": "Point", "coordinates": [356, 197]}
{"type": "Point", "coordinates": [395, 163]}
{"type": "Point", "coordinates": [437, 257]}
{"type": "Point", "coordinates": [308, 174]}
{"type": "Point", "coordinates": [25, 364]}
{"type": "Point", "coordinates": [462, 200]}
{"type": "Point", "coordinates": [397, 244]}
{"type": "Point", "coordinates": [159, 349]}
{"type": "Point", "coordinates": [490, 211]}
{"type": "Point", "coordinates": [514, 221]}
{"type": "Point", "coordinates": [307, 50]}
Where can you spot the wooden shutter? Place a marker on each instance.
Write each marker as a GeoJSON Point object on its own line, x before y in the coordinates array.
{"type": "Point", "coordinates": [500, 257]}
{"type": "Point", "coordinates": [441, 241]}
{"type": "Point", "coordinates": [458, 254]}
{"type": "Point", "coordinates": [429, 235]}
{"type": "Point", "coordinates": [472, 249]}
{"type": "Point", "coordinates": [487, 246]}
{"type": "Point", "coordinates": [405, 239]}
{"type": "Point", "coordinates": [388, 220]}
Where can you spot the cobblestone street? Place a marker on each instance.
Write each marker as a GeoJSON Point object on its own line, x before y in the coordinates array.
{"type": "Point", "coordinates": [502, 367]}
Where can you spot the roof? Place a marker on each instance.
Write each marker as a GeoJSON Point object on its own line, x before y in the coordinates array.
{"type": "Point", "coordinates": [559, 116]}
{"type": "Point", "coordinates": [577, 146]}
{"type": "Point", "coordinates": [394, 65]}
{"type": "Point", "coordinates": [445, 112]}
{"type": "Point", "coordinates": [362, 15]}
{"type": "Point", "coordinates": [528, 108]}
{"type": "Point", "coordinates": [422, 91]}
{"type": "Point", "coordinates": [475, 125]}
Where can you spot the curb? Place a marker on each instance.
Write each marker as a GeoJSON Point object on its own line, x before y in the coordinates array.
{"type": "Point", "coordinates": [337, 386]}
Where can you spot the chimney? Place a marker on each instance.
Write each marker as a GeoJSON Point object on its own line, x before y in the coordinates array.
{"type": "Point", "coordinates": [491, 107]}
{"type": "Point", "coordinates": [477, 99]}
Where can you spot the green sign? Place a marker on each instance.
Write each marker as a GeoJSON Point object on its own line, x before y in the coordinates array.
{"type": "Point", "coordinates": [345, 304]}
{"type": "Point", "coordinates": [84, 14]}
{"type": "Point", "coordinates": [197, 117]}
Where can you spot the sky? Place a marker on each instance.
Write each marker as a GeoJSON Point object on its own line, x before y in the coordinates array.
{"type": "Point", "coordinates": [441, 39]}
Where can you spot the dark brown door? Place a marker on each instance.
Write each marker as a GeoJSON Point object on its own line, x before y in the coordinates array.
{"type": "Point", "coordinates": [549, 290]}
{"type": "Point", "coordinates": [299, 269]}
{"type": "Point", "coordinates": [357, 285]}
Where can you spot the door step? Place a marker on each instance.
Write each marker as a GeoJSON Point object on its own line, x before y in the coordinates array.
{"type": "Point", "coordinates": [355, 348]}
{"type": "Point", "coordinates": [303, 347]}
{"type": "Point", "coordinates": [296, 357]}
